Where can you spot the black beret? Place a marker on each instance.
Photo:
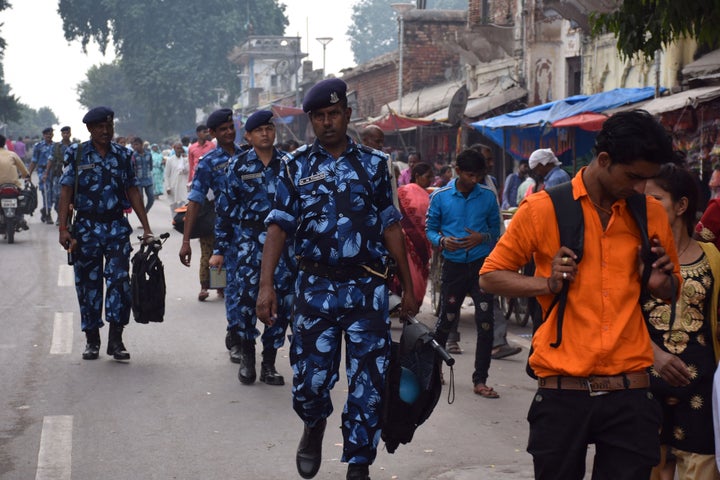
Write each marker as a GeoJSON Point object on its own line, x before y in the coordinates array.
{"type": "Point", "coordinates": [65, 129]}
{"type": "Point", "coordinates": [218, 117]}
{"type": "Point", "coordinates": [257, 119]}
{"type": "Point", "coordinates": [98, 114]}
{"type": "Point", "coordinates": [47, 130]}
{"type": "Point", "coordinates": [324, 94]}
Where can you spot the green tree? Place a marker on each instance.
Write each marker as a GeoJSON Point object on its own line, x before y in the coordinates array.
{"type": "Point", "coordinates": [171, 53]}
{"type": "Point", "coordinates": [30, 121]}
{"type": "Point", "coordinates": [374, 27]}
{"type": "Point", "coordinates": [9, 104]}
{"type": "Point", "coordinates": [106, 85]}
{"type": "Point", "coordinates": [644, 26]}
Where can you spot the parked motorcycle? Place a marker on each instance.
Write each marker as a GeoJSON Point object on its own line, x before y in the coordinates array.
{"type": "Point", "coordinates": [12, 203]}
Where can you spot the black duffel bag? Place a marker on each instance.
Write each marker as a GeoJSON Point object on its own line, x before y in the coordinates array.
{"type": "Point", "coordinates": [29, 201]}
{"type": "Point", "coordinates": [204, 223]}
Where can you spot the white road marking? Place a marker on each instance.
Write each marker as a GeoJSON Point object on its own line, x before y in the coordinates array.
{"type": "Point", "coordinates": [66, 276]}
{"type": "Point", "coordinates": [55, 455]}
{"type": "Point", "coordinates": [62, 334]}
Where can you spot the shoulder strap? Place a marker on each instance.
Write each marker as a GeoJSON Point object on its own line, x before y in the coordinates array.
{"type": "Point", "coordinates": [571, 224]}
{"type": "Point", "coordinates": [637, 204]}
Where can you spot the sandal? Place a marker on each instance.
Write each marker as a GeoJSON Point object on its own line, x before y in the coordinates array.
{"type": "Point", "coordinates": [485, 391]}
{"type": "Point", "coordinates": [203, 295]}
{"type": "Point", "coordinates": [454, 348]}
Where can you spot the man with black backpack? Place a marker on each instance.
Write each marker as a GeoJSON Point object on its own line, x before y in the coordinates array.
{"type": "Point", "coordinates": [592, 352]}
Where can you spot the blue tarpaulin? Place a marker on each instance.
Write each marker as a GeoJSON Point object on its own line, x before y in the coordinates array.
{"type": "Point", "coordinates": [520, 133]}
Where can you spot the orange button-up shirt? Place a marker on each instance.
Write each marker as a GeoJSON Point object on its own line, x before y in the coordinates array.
{"type": "Point", "coordinates": [604, 331]}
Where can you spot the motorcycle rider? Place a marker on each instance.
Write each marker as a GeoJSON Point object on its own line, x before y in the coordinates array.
{"type": "Point", "coordinates": [11, 169]}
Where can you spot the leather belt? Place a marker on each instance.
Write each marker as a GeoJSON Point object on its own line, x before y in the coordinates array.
{"type": "Point", "coordinates": [596, 384]}
{"type": "Point", "coordinates": [342, 273]}
{"type": "Point", "coordinates": [105, 217]}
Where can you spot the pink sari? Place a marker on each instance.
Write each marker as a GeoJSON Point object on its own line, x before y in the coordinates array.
{"type": "Point", "coordinates": [414, 202]}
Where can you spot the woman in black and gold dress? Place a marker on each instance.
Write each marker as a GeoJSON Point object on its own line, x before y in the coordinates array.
{"type": "Point", "coordinates": [686, 344]}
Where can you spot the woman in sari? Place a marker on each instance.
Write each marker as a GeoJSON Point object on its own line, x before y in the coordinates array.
{"type": "Point", "coordinates": [414, 200]}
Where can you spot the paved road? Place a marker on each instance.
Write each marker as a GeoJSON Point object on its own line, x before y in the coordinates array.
{"type": "Point", "coordinates": [177, 410]}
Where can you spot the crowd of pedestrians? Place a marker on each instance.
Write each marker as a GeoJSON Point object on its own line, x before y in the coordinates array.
{"type": "Point", "coordinates": [622, 348]}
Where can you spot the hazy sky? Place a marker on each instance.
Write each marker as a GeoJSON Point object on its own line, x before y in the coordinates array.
{"type": "Point", "coordinates": [43, 69]}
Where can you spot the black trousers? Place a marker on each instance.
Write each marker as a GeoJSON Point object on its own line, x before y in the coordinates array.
{"type": "Point", "coordinates": [458, 281]}
{"type": "Point", "coordinates": [623, 425]}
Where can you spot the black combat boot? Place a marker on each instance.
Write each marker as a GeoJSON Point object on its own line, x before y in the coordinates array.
{"type": "Point", "coordinates": [48, 217]}
{"type": "Point", "coordinates": [268, 374]}
{"type": "Point", "coordinates": [43, 215]}
{"type": "Point", "coordinates": [92, 347]}
{"type": "Point", "coordinates": [358, 471]}
{"type": "Point", "coordinates": [234, 344]}
{"type": "Point", "coordinates": [246, 372]}
{"type": "Point", "coordinates": [309, 452]}
{"type": "Point", "coordinates": [115, 344]}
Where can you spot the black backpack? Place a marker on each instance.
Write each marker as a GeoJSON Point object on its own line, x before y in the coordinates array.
{"type": "Point", "coordinates": [571, 224]}
{"type": "Point", "coordinates": [148, 284]}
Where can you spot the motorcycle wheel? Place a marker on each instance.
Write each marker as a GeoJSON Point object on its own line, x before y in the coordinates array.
{"type": "Point", "coordinates": [10, 230]}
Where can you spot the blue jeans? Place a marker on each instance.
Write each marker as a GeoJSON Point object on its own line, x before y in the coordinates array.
{"type": "Point", "coordinates": [149, 192]}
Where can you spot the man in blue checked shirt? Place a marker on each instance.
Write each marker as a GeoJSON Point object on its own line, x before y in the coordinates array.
{"type": "Point", "coordinates": [210, 174]}
{"type": "Point", "coordinates": [334, 201]}
{"type": "Point", "coordinates": [251, 180]}
{"type": "Point", "coordinates": [142, 159]}
{"type": "Point", "coordinates": [464, 220]}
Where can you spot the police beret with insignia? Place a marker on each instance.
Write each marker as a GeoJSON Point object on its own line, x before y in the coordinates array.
{"type": "Point", "coordinates": [257, 119]}
{"type": "Point", "coordinates": [324, 94]}
{"type": "Point", "coordinates": [47, 130]}
{"type": "Point", "coordinates": [99, 114]}
{"type": "Point", "coordinates": [218, 117]}
{"type": "Point", "coordinates": [65, 129]}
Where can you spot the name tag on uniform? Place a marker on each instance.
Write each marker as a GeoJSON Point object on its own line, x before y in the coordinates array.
{"type": "Point", "coordinates": [311, 179]}
{"type": "Point", "coordinates": [89, 166]}
{"type": "Point", "coordinates": [250, 176]}
{"type": "Point", "coordinates": [221, 166]}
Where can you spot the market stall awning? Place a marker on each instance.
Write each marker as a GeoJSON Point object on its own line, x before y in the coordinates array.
{"type": "Point", "coordinates": [477, 106]}
{"type": "Point", "coordinates": [522, 131]}
{"type": "Point", "coordinates": [592, 122]}
{"type": "Point", "coordinates": [392, 122]}
{"type": "Point", "coordinates": [560, 109]}
{"type": "Point", "coordinates": [688, 98]}
{"type": "Point", "coordinates": [707, 66]}
{"type": "Point", "coordinates": [285, 111]}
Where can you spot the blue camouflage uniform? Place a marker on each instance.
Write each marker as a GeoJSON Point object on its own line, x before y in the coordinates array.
{"type": "Point", "coordinates": [210, 174]}
{"type": "Point", "coordinates": [337, 211]}
{"type": "Point", "coordinates": [248, 200]}
{"type": "Point", "coordinates": [42, 152]}
{"type": "Point", "coordinates": [102, 232]}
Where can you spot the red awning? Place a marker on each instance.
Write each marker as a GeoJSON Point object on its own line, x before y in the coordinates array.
{"type": "Point", "coordinates": [285, 111]}
{"type": "Point", "coordinates": [592, 122]}
{"type": "Point", "coordinates": [393, 122]}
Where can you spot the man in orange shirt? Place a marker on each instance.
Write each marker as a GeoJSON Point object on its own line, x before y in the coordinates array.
{"type": "Point", "coordinates": [593, 386]}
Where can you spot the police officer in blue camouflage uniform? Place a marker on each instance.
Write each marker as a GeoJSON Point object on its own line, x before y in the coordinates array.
{"type": "Point", "coordinates": [251, 180]}
{"type": "Point", "coordinates": [100, 237]}
{"type": "Point", "coordinates": [54, 168]}
{"type": "Point", "coordinates": [42, 153]}
{"type": "Point", "coordinates": [334, 200]}
{"type": "Point", "coordinates": [210, 174]}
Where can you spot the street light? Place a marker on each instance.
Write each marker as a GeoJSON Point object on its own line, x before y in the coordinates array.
{"type": "Point", "coordinates": [324, 41]}
{"type": "Point", "coordinates": [401, 9]}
